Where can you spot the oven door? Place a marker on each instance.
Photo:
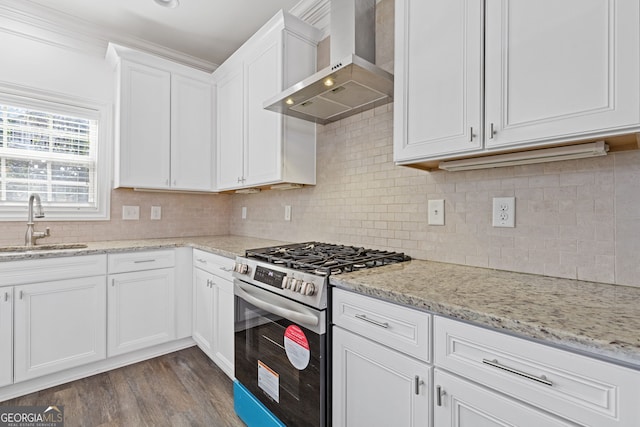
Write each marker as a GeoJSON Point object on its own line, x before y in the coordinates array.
{"type": "Point", "coordinates": [280, 354]}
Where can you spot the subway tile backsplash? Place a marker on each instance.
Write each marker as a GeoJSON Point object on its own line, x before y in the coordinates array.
{"type": "Point", "coordinates": [575, 219]}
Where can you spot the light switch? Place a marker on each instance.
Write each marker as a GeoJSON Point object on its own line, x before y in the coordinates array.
{"type": "Point", "coordinates": [436, 212]}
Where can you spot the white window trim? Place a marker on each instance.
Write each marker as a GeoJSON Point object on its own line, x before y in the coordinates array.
{"type": "Point", "coordinates": [56, 102]}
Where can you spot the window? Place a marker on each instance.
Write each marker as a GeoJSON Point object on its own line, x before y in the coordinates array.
{"type": "Point", "coordinates": [55, 147]}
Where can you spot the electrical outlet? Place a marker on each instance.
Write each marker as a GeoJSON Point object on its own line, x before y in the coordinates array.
{"type": "Point", "coordinates": [436, 212]}
{"type": "Point", "coordinates": [131, 212]}
{"type": "Point", "coordinates": [156, 212]}
{"type": "Point", "coordinates": [287, 212]}
{"type": "Point", "coordinates": [504, 212]}
{"type": "Point", "coordinates": [244, 212]}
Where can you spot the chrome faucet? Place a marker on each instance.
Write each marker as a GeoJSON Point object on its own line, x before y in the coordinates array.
{"type": "Point", "coordinates": [31, 235]}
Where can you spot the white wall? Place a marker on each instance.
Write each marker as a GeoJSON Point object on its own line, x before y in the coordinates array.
{"type": "Point", "coordinates": [50, 67]}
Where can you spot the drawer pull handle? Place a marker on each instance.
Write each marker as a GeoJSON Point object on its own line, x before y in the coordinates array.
{"type": "Point", "coordinates": [228, 270]}
{"type": "Point", "coordinates": [140, 261]}
{"type": "Point", "coordinates": [202, 261]}
{"type": "Point", "coordinates": [439, 393]}
{"type": "Point", "coordinates": [541, 379]}
{"type": "Point", "coordinates": [375, 322]}
{"type": "Point", "coordinates": [418, 383]}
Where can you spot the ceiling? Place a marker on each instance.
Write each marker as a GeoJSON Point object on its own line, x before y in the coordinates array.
{"type": "Point", "coordinates": [210, 30]}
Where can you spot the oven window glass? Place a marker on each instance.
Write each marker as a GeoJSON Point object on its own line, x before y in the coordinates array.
{"type": "Point", "coordinates": [268, 370]}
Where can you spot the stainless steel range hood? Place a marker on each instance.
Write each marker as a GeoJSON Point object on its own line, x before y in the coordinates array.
{"type": "Point", "coordinates": [352, 83]}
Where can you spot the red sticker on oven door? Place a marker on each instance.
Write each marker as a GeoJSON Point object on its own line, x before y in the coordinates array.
{"type": "Point", "coordinates": [297, 347]}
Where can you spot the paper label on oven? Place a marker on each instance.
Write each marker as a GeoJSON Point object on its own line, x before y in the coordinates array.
{"type": "Point", "coordinates": [297, 347]}
{"type": "Point", "coordinates": [269, 381]}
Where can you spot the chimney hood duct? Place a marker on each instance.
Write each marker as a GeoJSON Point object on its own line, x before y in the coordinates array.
{"type": "Point", "coordinates": [352, 83]}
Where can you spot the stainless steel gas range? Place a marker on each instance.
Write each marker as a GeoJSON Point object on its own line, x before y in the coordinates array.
{"type": "Point", "coordinates": [281, 325]}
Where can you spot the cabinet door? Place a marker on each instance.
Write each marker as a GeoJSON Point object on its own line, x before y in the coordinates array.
{"type": "Point", "coordinates": [203, 310]}
{"type": "Point", "coordinates": [6, 341]}
{"type": "Point", "coordinates": [191, 134]}
{"type": "Point", "coordinates": [376, 386]}
{"type": "Point", "coordinates": [223, 315]}
{"type": "Point", "coordinates": [141, 310]}
{"type": "Point", "coordinates": [464, 404]}
{"type": "Point", "coordinates": [263, 137]}
{"type": "Point", "coordinates": [438, 78]}
{"type": "Point", "coordinates": [58, 325]}
{"type": "Point", "coordinates": [560, 69]}
{"type": "Point", "coordinates": [230, 130]}
{"type": "Point", "coordinates": [145, 126]}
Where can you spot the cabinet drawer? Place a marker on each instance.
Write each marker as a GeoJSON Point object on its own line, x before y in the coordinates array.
{"type": "Point", "coordinates": [214, 264]}
{"type": "Point", "coordinates": [402, 328]}
{"type": "Point", "coordinates": [582, 389]}
{"type": "Point", "coordinates": [138, 261]}
{"type": "Point", "coordinates": [49, 269]}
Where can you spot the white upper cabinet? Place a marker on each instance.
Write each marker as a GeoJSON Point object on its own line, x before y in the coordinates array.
{"type": "Point", "coordinates": [257, 147]}
{"type": "Point", "coordinates": [143, 148]}
{"type": "Point", "coordinates": [164, 123]}
{"type": "Point", "coordinates": [550, 72]}
{"type": "Point", "coordinates": [230, 133]}
{"type": "Point", "coordinates": [561, 70]}
{"type": "Point", "coordinates": [438, 78]}
{"type": "Point", "coordinates": [191, 134]}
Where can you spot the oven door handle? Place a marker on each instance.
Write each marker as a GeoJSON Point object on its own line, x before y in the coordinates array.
{"type": "Point", "coordinates": [293, 315]}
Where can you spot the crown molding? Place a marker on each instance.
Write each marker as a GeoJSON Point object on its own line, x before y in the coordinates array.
{"type": "Point", "coordinates": [314, 12]}
{"type": "Point", "coordinates": [35, 22]}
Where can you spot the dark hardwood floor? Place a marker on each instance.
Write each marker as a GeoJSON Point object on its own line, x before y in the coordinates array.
{"type": "Point", "coordinates": [184, 388]}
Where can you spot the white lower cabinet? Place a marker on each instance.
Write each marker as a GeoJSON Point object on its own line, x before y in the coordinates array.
{"type": "Point", "coordinates": [213, 308]}
{"type": "Point", "coordinates": [461, 403]}
{"type": "Point", "coordinates": [141, 303]}
{"type": "Point", "coordinates": [58, 325]}
{"type": "Point", "coordinates": [376, 386]}
{"type": "Point", "coordinates": [381, 374]}
{"type": "Point", "coordinates": [141, 310]}
{"type": "Point", "coordinates": [6, 335]}
{"type": "Point", "coordinates": [579, 389]}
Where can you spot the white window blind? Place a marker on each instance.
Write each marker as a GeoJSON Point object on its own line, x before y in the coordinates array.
{"type": "Point", "coordinates": [53, 149]}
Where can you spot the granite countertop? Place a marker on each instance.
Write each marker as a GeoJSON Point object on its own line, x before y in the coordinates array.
{"type": "Point", "coordinates": [597, 318]}
{"type": "Point", "coordinates": [227, 246]}
{"type": "Point", "coordinates": [600, 319]}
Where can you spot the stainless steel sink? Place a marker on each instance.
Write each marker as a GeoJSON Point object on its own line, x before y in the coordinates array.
{"type": "Point", "coordinates": [52, 247]}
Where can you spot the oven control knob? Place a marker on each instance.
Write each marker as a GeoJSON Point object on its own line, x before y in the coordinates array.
{"type": "Point", "coordinates": [296, 284]}
{"type": "Point", "coordinates": [285, 282]}
{"type": "Point", "coordinates": [308, 289]}
{"type": "Point", "coordinates": [241, 268]}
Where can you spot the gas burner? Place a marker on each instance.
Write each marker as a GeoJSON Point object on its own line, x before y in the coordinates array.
{"type": "Point", "coordinates": [324, 259]}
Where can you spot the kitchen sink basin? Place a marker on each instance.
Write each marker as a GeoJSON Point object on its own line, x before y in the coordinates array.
{"type": "Point", "coordinates": [52, 247]}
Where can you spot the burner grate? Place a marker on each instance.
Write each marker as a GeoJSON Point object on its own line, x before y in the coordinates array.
{"type": "Point", "coordinates": [325, 258]}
